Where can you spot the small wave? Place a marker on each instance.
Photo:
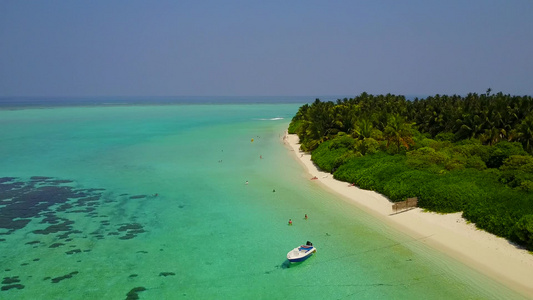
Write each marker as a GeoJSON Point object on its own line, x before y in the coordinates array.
{"type": "Point", "coordinates": [270, 119]}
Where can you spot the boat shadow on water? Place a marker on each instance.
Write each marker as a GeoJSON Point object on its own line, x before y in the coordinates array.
{"type": "Point", "coordinates": [288, 264]}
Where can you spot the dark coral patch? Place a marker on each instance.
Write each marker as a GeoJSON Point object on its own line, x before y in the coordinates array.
{"type": "Point", "coordinates": [58, 279]}
{"type": "Point", "coordinates": [85, 210]}
{"type": "Point", "coordinates": [131, 229]}
{"type": "Point", "coordinates": [73, 251]}
{"type": "Point", "coordinates": [66, 236]}
{"type": "Point", "coordinates": [27, 202]}
{"type": "Point", "coordinates": [165, 274]}
{"type": "Point", "coordinates": [128, 236]}
{"type": "Point", "coordinates": [64, 207]}
{"type": "Point", "coordinates": [11, 283]}
{"type": "Point", "coordinates": [132, 294]}
{"type": "Point", "coordinates": [47, 203]}
{"type": "Point", "coordinates": [12, 286]}
{"type": "Point", "coordinates": [49, 218]}
{"type": "Point", "coordinates": [7, 179]}
{"type": "Point", "coordinates": [13, 225]}
{"type": "Point", "coordinates": [65, 226]}
{"type": "Point", "coordinates": [133, 275]}
{"type": "Point", "coordinates": [22, 201]}
{"type": "Point", "coordinates": [10, 280]}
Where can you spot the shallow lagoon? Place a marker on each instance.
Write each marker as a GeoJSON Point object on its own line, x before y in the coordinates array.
{"type": "Point", "coordinates": [81, 219]}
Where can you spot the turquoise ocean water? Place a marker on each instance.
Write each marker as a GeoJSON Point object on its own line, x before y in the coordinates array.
{"type": "Point", "coordinates": [126, 200]}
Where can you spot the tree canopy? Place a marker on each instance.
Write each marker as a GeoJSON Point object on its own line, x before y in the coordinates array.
{"type": "Point", "coordinates": [488, 118]}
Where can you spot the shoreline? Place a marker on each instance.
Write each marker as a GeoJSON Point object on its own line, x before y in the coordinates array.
{"type": "Point", "coordinates": [450, 234]}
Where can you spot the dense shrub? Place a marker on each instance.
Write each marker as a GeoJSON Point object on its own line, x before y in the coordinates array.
{"type": "Point", "coordinates": [517, 171]}
{"type": "Point", "coordinates": [475, 162]}
{"type": "Point", "coordinates": [358, 170]}
{"type": "Point", "coordinates": [523, 231]}
{"type": "Point", "coordinates": [331, 154]}
{"type": "Point", "coordinates": [448, 193]}
{"type": "Point", "coordinates": [502, 151]}
{"type": "Point", "coordinates": [479, 194]}
{"type": "Point", "coordinates": [407, 184]}
{"type": "Point", "coordinates": [426, 155]}
{"type": "Point", "coordinates": [497, 212]}
{"type": "Point", "coordinates": [367, 146]}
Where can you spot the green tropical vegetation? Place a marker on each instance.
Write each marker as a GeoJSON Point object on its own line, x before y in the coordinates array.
{"type": "Point", "coordinates": [469, 154]}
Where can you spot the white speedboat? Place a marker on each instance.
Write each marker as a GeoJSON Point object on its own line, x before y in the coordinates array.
{"type": "Point", "coordinates": [301, 253]}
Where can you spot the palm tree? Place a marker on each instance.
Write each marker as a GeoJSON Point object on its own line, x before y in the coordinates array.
{"type": "Point", "coordinates": [320, 124]}
{"type": "Point", "coordinates": [493, 135]}
{"type": "Point", "coordinates": [469, 126]}
{"type": "Point", "coordinates": [345, 116]}
{"type": "Point", "coordinates": [525, 133]}
{"type": "Point", "coordinates": [362, 129]}
{"type": "Point", "coordinates": [398, 133]}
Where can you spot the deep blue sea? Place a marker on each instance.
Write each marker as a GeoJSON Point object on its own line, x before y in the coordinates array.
{"type": "Point", "coordinates": [146, 198]}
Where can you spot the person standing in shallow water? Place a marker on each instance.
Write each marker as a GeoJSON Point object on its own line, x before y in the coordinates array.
{"type": "Point", "coordinates": [290, 221]}
{"type": "Point", "coordinates": [305, 216]}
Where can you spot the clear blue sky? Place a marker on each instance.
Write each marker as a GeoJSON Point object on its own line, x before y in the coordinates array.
{"type": "Point", "coordinates": [248, 47]}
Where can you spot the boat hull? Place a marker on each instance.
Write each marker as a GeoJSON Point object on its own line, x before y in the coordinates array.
{"type": "Point", "coordinates": [299, 254]}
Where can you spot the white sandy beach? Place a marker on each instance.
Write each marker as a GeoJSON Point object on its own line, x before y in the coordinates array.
{"type": "Point", "coordinates": [450, 233]}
